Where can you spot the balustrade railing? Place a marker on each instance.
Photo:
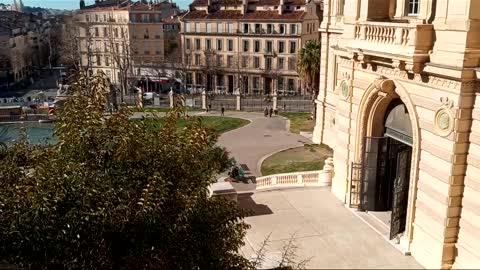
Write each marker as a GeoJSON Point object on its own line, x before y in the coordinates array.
{"type": "Point", "coordinates": [298, 179]}
{"type": "Point", "coordinates": [384, 34]}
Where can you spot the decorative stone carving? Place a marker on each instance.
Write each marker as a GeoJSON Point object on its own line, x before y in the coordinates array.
{"type": "Point", "coordinates": [443, 122]}
{"type": "Point", "coordinates": [344, 89]}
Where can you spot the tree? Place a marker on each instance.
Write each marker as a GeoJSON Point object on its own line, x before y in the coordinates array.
{"type": "Point", "coordinates": [112, 194]}
{"type": "Point", "coordinates": [120, 51]}
{"type": "Point", "coordinates": [308, 65]}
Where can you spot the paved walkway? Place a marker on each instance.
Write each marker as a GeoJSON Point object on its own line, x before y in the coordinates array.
{"type": "Point", "coordinates": [324, 231]}
{"type": "Point", "coordinates": [263, 136]}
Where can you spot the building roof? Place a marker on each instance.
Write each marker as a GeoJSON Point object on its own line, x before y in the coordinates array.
{"type": "Point", "coordinates": [257, 15]}
{"type": "Point", "coordinates": [277, 2]}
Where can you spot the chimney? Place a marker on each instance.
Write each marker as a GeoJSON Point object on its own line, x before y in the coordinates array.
{"type": "Point", "coordinates": [244, 6]}
{"type": "Point", "coordinates": [209, 3]}
{"type": "Point", "coordinates": [280, 7]}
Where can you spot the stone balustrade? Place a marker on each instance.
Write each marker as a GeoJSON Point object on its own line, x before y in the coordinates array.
{"type": "Point", "coordinates": [298, 179]}
{"type": "Point", "coordinates": [410, 43]}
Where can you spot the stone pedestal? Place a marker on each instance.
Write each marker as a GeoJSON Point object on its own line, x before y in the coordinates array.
{"type": "Point", "coordinates": [156, 101]}
{"type": "Point", "coordinates": [328, 169]}
{"type": "Point", "coordinates": [204, 100]}
{"type": "Point", "coordinates": [225, 190]}
{"type": "Point", "coordinates": [170, 97]}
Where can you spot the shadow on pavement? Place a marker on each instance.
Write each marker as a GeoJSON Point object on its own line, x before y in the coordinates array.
{"type": "Point", "coordinates": [246, 202]}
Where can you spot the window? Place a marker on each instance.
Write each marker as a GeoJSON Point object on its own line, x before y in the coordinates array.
{"type": "Point", "coordinates": [244, 61]}
{"type": "Point", "coordinates": [340, 7]}
{"type": "Point", "coordinates": [208, 44]}
{"type": "Point", "coordinates": [230, 60]}
{"type": "Point", "coordinates": [220, 27]}
{"type": "Point", "coordinates": [245, 28]}
{"type": "Point", "coordinates": [257, 45]}
{"type": "Point", "coordinates": [246, 44]}
{"type": "Point", "coordinates": [291, 63]}
{"type": "Point", "coordinates": [105, 34]}
{"type": "Point", "coordinates": [146, 52]}
{"type": "Point", "coordinates": [280, 83]}
{"type": "Point", "coordinates": [269, 47]}
{"type": "Point", "coordinates": [256, 62]}
{"type": "Point", "coordinates": [87, 18]}
{"type": "Point", "coordinates": [96, 32]}
{"type": "Point", "coordinates": [219, 44]}
{"type": "Point", "coordinates": [197, 44]}
{"type": "Point", "coordinates": [105, 47]}
{"type": "Point", "coordinates": [293, 29]}
{"type": "Point", "coordinates": [282, 28]}
{"type": "Point", "coordinates": [122, 34]}
{"type": "Point", "coordinates": [98, 60]}
{"type": "Point", "coordinates": [269, 28]}
{"type": "Point", "coordinates": [158, 18]}
{"type": "Point", "coordinates": [230, 45]}
{"type": "Point", "coordinates": [197, 27]}
{"type": "Point", "coordinates": [157, 36]}
{"type": "Point", "coordinates": [293, 47]}
{"type": "Point", "coordinates": [219, 60]}
{"type": "Point", "coordinates": [413, 7]}
{"type": "Point", "coordinates": [96, 17]}
{"type": "Point", "coordinates": [281, 63]}
{"type": "Point", "coordinates": [258, 28]}
{"type": "Point", "coordinates": [256, 83]}
{"type": "Point", "coordinates": [188, 59]}
{"type": "Point", "coordinates": [157, 52]}
{"type": "Point", "coordinates": [115, 32]}
{"type": "Point", "coordinates": [230, 28]}
{"type": "Point", "coordinates": [209, 27]}
{"type": "Point", "coordinates": [107, 61]}
{"type": "Point", "coordinates": [146, 35]}
{"type": "Point", "coordinates": [197, 59]}
{"type": "Point", "coordinates": [268, 63]}
{"type": "Point", "coordinates": [281, 46]}
{"type": "Point", "coordinates": [104, 17]}
{"type": "Point", "coordinates": [291, 85]}
{"type": "Point", "coordinates": [187, 44]}
{"type": "Point", "coordinates": [187, 27]}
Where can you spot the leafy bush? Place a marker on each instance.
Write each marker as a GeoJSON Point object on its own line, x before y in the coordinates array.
{"type": "Point", "coordinates": [113, 195]}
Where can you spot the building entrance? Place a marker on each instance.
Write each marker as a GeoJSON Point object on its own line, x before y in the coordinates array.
{"type": "Point", "coordinates": [382, 185]}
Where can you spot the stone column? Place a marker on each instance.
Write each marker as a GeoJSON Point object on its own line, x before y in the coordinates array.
{"type": "Point", "coordinates": [204, 100]}
{"type": "Point", "coordinates": [239, 101]}
{"type": "Point", "coordinates": [140, 99]}
{"type": "Point", "coordinates": [170, 97]}
{"type": "Point", "coordinates": [274, 100]}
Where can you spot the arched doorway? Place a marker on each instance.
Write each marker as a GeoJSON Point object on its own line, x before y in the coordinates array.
{"type": "Point", "coordinates": [386, 169]}
{"type": "Point", "coordinates": [384, 174]}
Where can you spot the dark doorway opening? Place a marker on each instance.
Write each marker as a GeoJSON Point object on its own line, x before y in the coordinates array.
{"type": "Point", "coordinates": [209, 83]}
{"type": "Point", "coordinates": [268, 86]}
{"type": "Point", "coordinates": [230, 84]}
{"type": "Point", "coordinates": [385, 171]}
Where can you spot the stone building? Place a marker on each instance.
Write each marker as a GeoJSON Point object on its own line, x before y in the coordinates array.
{"type": "Point", "coordinates": [249, 46]}
{"type": "Point", "coordinates": [124, 38]}
{"type": "Point", "coordinates": [24, 39]}
{"type": "Point", "coordinates": [399, 104]}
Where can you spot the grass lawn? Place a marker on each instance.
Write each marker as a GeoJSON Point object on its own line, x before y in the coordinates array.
{"type": "Point", "coordinates": [306, 158]}
{"type": "Point", "coordinates": [299, 122]}
{"type": "Point", "coordinates": [167, 109]}
{"type": "Point", "coordinates": [218, 123]}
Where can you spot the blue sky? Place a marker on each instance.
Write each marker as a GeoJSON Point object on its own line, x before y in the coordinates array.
{"type": "Point", "coordinates": [72, 4]}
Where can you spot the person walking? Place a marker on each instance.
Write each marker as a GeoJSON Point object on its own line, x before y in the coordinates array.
{"type": "Point", "coordinates": [270, 112]}
{"type": "Point", "coordinates": [223, 110]}
{"type": "Point", "coordinates": [265, 112]}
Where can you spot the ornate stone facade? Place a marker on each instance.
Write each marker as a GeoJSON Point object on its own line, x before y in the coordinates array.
{"type": "Point", "coordinates": [422, 55]}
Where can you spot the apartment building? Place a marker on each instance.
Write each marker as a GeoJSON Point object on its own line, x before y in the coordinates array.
{"type": "Point", "coordinates": [127, 40]}
{"type": "Point", "coordinates": [399, 104]}
{"type": "Point", "coordinates": [24, 39]}
{"type": "Point", "coordinates": [247, 46]}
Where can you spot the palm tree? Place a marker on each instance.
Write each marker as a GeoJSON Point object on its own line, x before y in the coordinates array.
{"type": "Point", "coordinates": [308, 66]}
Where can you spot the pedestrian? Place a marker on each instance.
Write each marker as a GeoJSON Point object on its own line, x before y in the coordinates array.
{"type": "Point", "coordinates": [284, 107]}
{"type": "Point", "coordinates": [223, 110]}
{"type": "Point", "coordinates": [265, 112]}
{"type": "Point", "coordinates": [270, 112]}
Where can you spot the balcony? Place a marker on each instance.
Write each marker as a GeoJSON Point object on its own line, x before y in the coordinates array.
{"type": "Point", "coordinates": [397, 41]}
